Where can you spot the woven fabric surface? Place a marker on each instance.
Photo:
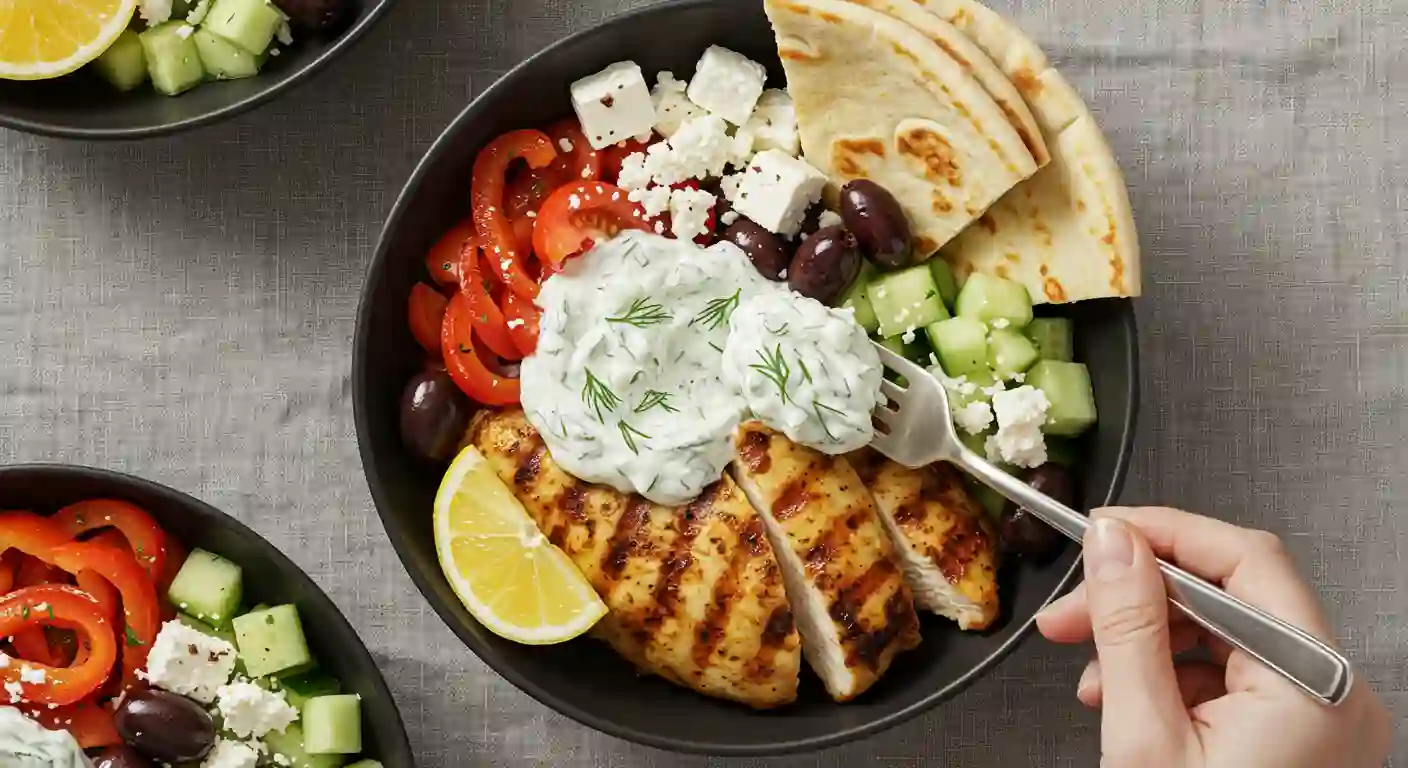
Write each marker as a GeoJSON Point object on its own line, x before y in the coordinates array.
{"type": "Point", "coordinates": [183, 309]}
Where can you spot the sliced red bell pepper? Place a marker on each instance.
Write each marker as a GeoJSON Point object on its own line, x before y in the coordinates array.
{"type": "Point", "coordinates": [90, 723]}
{"type": "Point", "coordinates": [146, 540]}
{"type": "Point", "coordinates": [581, 214]}
{"type": "Point", "coordinates": [577, 161]}
{"type": "Point", "coordinates": [487, 195]}
{"type": "Point", "coordinates": [9, 564]}
{"type": "Point", "coordinates": [139, 602]}
{"type": "Point", "coordinates": [59, 605]}
{"type": "Point", "coordinates": [487, 319]}
{"type": "Point", "coordinates": [37, 536]}
{"type": "Point", "coordinates": [523, 320]}
{"type": "Point", "coordinates": [443, 261]}
{"type": "Point", "coordinates": [462, 359]}
{"type": "Point", "coordinates": [425, 312]}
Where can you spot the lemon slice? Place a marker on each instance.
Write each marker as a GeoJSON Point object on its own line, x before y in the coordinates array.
{"type": "Point", "coordinates": [40, 39]}
{"type": "Point", "coordinates": [510, 577]}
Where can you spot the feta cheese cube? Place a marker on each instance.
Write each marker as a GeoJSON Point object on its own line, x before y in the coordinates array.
{"type": "Point", "coordinates": [229, 753]}
{"type": "Point", "coordinates": [672, 106]}
{"type": "Point", "coordinates": [689, 212]}
{"type": "Point", "coordinates": [776, 191]}
{"type": "Point", "coordinates": [189, 662]}
{"type": "Point", "coordinates": [249, 711]}
{"type": "Point", "coordinates": [773, 124]}
{"type": "Point", "coordinates": [613, 104]}
{"type": "Point", "coordinates": [728, 84]}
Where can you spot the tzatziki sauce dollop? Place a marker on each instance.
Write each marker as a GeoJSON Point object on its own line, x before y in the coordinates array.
{"type": "Point", "coordinates": [27, 744]}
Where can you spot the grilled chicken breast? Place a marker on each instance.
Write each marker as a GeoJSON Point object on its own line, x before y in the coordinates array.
{"type": "Point", "coordinates": [945, 543]}
{"type": "Point", "coordinates": [695, 593]}
{"type": "Point", "coordinates": [852, 605]}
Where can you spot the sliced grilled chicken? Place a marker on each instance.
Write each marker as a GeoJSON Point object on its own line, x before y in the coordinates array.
{"type": "Point", "coordinates": [852, 605]}
{"type": "Point", "coordinates": [945, 543]}
{"type": "Point", "coordinates": [695, 593]}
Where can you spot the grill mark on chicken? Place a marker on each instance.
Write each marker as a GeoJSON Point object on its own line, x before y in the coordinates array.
{"type": "Point", "coordinates": [831, 543]}
{"type": "Point", "coordinates": [623, 539]}
{"type": "Point", "coordinates": [572, 502]}
{"type": "Point", "coordinates": [754, 450]}
{"type": "Point", "coordinates": [529, 465]}
{"type": "Point", "coordinates": [864, 645]}
{"type": "Point", "coordinates": [966, 539]}
{"type": "Point", "coordinates": [793, 499]}
{"type": "Point", "coordinates": [779, 628]}
{"type": "Point", "coordinates": [908, 512]}
{"type": "Point", "coordinates": [693, 518]}
{"type": "Point", "coordinates": [899, 619]}
{"type": "Point", "coordinates": [711, 630]}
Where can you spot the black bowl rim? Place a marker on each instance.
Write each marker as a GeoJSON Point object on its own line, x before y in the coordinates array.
{"type": "Point", "coordinates": [400, 540]}
{"type": "Point", "coordinates": [404, 755]}
{"type": "Point", "coordinates": [343, 41]}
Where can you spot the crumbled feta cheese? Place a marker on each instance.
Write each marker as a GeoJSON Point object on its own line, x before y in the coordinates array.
{"type": "Point", "coordinates": [284, 34]}
{"type": "Point", "coordinates": [613, 104]}
{"type": "Point", "coordinates": [728, 84]}
{"type": "Point", "coordinates": [188, 662]}
{"type": "Point", "coordinates": [1019, 377]}
{"type": "Point", "coordinates": [634, 174]}
{"type": "Point", "coordinates": [776, 191]}
{"type": "Point", "coordinates": [185, 31]}
{"type": "Point", "coordinates": [741, 151]}
{"type": "Point", "coordinates": [155, 12]}
{"type": "Point", "coordinates": [992, 391]}
{"type": "Point", "coordinates": [729, 186]}
{"type": "Point", "coordinates": [689, 212]}
{"type": "Point", "coordinates": [229, 753]}
{"type": "Point", "coordinates": [773, 124]}
{"type": "Point", "coordinates": [728, 218]}
{"type": "Point", "coordinates": [250, 711]}
{"type": "Point", "coordinates": [829, 219]}
{"type": "Point", "coordinates": [15, 690]}
{"type": "Point", "coordinates": [654, 200]}
{"type": "Point", "coordinates": [565, 144]}
{"type": "Point", "coordinates": [4, 660]}
{"type": "Point", "coordinates": [908, 336]}
{"type": "Point", "coordinates": [197, 14]}
{"type": "Point", "coordinates": [1020, 412]}
{"type": "Point", "coordinates": [1000, 323]}
{"type": "Point", "coordinates": [699, 149]}
{"type": "Point", "coordinates": [32, 675]}
{"type": "Point", "coordinates": [672, 107]}
{"type": "Point", "coordinates": [973, 418]}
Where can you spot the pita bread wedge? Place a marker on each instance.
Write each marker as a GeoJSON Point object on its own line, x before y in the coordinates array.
{"type": "Point", "coordinates": [1067, 233]}
{"type": "Point", "coordinates": [877, 99]}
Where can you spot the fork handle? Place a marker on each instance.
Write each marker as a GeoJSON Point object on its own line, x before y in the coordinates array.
{"type": "Point", "coordinates": [1310, 664]}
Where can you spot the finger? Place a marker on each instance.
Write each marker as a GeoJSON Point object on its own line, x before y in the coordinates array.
{"type": "Point", "coordinates": [1067, 621]}
{"type": "Point", "coordinates": [1129, 616]}
{"type": "Point", "coordinates": [1198, 682]}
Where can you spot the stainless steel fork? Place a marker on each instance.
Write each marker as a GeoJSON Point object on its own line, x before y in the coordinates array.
{"type": "Point", "coordinates": [919, 430]}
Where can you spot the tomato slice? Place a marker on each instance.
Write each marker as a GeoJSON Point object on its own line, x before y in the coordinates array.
{"type": "Point", "coordinates": [462, 358]}
{"type": "Point", "coordinates": [487, 194]}
{"type": "Point", "coordinates": [146, 541]}
{"type": "Point", "coordinates": [58, 605]}
{"type": "Point", "coordinates": [426, 313]}
{"type": "Point", "coordinates": [443, 261]}
{"type": "Point", "coordinates": [486, 317]}
{"type": "Point", "coordinates": [580, 214]}
{"type": "Point", "coordinates": [523, 320]}
{"type": "Point", "coordinates": [577, 161]}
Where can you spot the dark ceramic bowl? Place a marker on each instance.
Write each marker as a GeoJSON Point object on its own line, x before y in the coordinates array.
{"type": "Point", "coordinates": [584, 679]}
{"type": "Point", "coordinates": [269, 577]}
{"type": "Point", "coordinates": [83, 106]}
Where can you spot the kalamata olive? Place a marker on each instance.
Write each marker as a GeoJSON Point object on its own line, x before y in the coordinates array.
{"type": "Point", "coordinates": [164, 726]}
{"type": "Point", "coordinates": [811, 221]}
{"type": "Point", "coordinates": [316, 15]}
{"type": "Point", "coordinates": [1024, 533]}
{"type": "Point", "coordinates": [767, 251]}
{"type": "Point", "coordinates": [878, 222]}
{"type": "Point", "coordinates": [121, 756]}
{"type": "Point", "coordinates": [434, 415]}
{"type": "Point", "coordinates": [825, 265]}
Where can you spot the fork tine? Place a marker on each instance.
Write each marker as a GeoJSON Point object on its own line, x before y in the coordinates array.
{"type": "Point", "coordinates": [892, 391]}
{"type": "Point", "coordinates": [898, 363]}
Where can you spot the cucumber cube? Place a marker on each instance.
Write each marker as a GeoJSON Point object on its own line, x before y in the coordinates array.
{"type": "Point", "coordinates": [172, 59]}
{"type": "Point", "coordinates": [365, 764]}
{"type": "Point", "coordinates": [205, 629]}
{"type": "Point", "coordinates": [905, 300]}
{"type": "Point", "coordinates": [980, 381]}
{"type": "Point", "coordinates": [916, 352]}
{"type": "Point", "coordinates": [289, 743]}
{"type": "Point", "coordinates": [1010, 352]}
{"type": "Point", "coordinates": [943, 278]}
{"type": "Point", "coordinates": [333, 724]}
{"type": "Point", "coordinates": [1054, 338]}
{"type": "Point", "coordinates": [298, 689]}
{"type": "Point", "coordinates": [271, 642]}
{"type": "Point", "coordinates": [208, 587]}
{"type": "Point", "coordinates": [250, 24]}
{"type": "Point", "coordinates": [123, 64]}
{"type": "Point", "coordinates": [961, 344]}
{"type": "Point", "coordinates": [1067, 388]}
{"type": "Point", "coordinates": [989, 299]}
{"type": "Point", "coordinates": [855, 298]}
{"type": "Point", "coordinates": [223, 60]}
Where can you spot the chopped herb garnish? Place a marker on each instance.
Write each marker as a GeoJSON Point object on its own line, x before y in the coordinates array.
{"type": "Point", "coordinates": [653, 398]}
{"type": "Point", "coordinates": [775, 368]}
{"type": "Point", "coordinates": [717, 312]}
{"type": "Point", "coordinates": [817, 408]}
{"type": "Point", "coordinates": [132, 638]}
{"type": "Point", "coordinates": [777, 331]}
{"type": "Point", "coordinates": [24, 613]}
{"type": "Point", "coordinates": [716, 347]}
{"type": "Point", "coordinates": [598, 396]}
{"type": "Point", "coordinates": [806, 374]}
{"type": "Point", "coordinates": [930, 295]}
{"type": "Point", "coordinates": [642, 313]}
{"type": "Point", "coordinates": [51, 613]}
{"type": "Point", "coordinates": [629, 434]}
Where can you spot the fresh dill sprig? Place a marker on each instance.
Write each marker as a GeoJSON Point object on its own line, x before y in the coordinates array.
{"type": "Point", "coordinates": [598, 396]}
{"type": "Point", "coordinates": [717, 312]}
{"type": "Point", "coordinates": [775, 368]}
{"type": "Point", "coordinates": [780, 331]}
{"type": "Point", "coordinates": [629, 434]}
{"type": "Point", "coordinates": [806, 374]}
{"type": "Point", "coordinates": [817, 408]}
{"type": "Point", "coordinates": [653, 398]}
{"type": "Point", "coordinates": [642, 313]}
{"type": "Point", "coordinates": [716, 347]}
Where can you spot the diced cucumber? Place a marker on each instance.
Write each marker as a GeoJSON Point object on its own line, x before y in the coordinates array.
{"type": "Point", "coordinates": [289, 743]}
{"type": "Point", "coordinates": [943, 278]}
{"type": "Point", "coordinates": [208, 587]}
{"type": "Point", "coordinates": [905, 300]}
{"type": "Point", "coordinates": [1067, 388]}
{"type": "Point", "coordinates": [250, 24]}
{"type": "Point", "coordinates": [205, 629]}
{"type": "Point", "coordinates": [961, 344]}
{"type": "Point", "coordinates": [855, 298]}
{"type": "Point", "coordinates": [298, 689]}
{"type": "Point", "coordinates": [223, 60]}
{"type": "Point", "coordinates": [1062, 452]}
{"type": "Point", "coordinates": [172, 59]}
{"type": "Point", "coordinates": [980, 381]}
{"type": "Point", "coordinates": [1010, 352]}
{"type": "Point", "coordinates": [989, 298]}
{"type": "Point", "coordinates": [1054, 338]}
{"type": "Point", "coordinates": [123, 64]}
{"type": "Point", "coordinates": [271, 642]}
{"type": "Point", "coordinates": [333, 724]}
{"type": "Point", "coordinates": [915, 351]}
{"type": "Point", "coordinates": [365, 764]}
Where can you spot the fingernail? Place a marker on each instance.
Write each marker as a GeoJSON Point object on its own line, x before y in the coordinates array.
{"type": "Point", "coordinates": [1086, 685]}
{"type": "Point", "coordinates": [1109, 550]}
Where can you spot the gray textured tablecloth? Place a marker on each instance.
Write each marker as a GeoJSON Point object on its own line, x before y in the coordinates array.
{"type": "Point", "coordinates": [183, 309]}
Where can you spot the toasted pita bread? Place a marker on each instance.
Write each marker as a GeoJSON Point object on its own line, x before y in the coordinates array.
{"type": "Point", "coordinates": [877, 99]}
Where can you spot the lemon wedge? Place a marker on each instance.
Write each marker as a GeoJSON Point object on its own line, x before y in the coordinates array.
{"type": "Point", "coordinates": [511, 578]}
{"type": "Point", "coordinates": [40, 39]}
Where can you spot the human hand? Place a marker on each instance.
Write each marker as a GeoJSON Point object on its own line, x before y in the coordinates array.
{"type": "Point", "coordinates": [1233, 712]}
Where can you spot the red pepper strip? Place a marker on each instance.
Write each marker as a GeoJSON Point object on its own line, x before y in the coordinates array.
{"type": "Point", "coordinates": [426, 313]}
{"type": "Point", "coordinates": [488, 321]}
{"type": "Point", "coordinates": [487, 196]}
{"type": "Point", "coordinates": [523, 319]}
{"type": "Point", "coordinates": [175, 558]}
{"type": "Point", "coordinates": [139, 605]}
{"type": "Point", "coordinates": [443, 261]}
{"type": "Point", "coordinates": [462, 358]}
{"type": "Point", "coordinates": [90, 724]}
{"type": "Point", "coordinates": [9, 563]}
{"type": "Point", "coordinates": [72, 609]}
{"type": "Point", "coordinates": [581, 162]}
{"type": "Point", "coordinates": [146, 540]}
{"type": "Point", "coordinates": [36, 536]}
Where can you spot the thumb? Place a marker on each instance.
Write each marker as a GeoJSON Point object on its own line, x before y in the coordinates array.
{"type": "Point", "coordinates": [1142, 713]}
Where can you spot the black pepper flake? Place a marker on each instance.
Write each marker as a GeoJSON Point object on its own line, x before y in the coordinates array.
{"type": "Point", "coordinates": [269, 619]}
{"type": "Point", "coordinates": [193, 650]}
{"type": "Point", "coordinates": [213, 657]}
